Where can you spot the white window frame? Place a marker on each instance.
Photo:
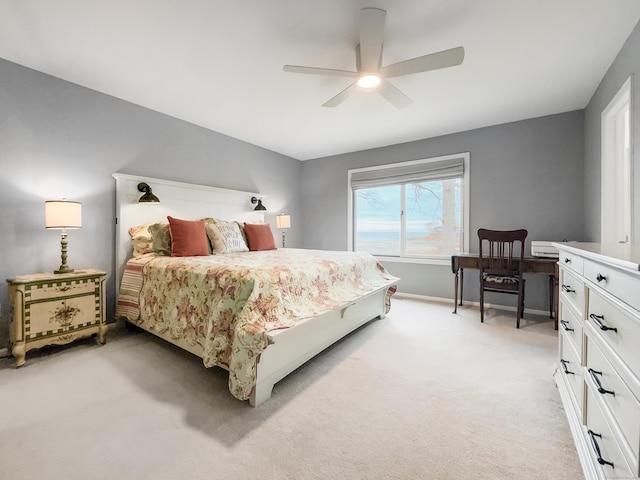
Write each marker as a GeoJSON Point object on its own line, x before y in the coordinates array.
{"type": "Point", "coordinates": [442, 260]}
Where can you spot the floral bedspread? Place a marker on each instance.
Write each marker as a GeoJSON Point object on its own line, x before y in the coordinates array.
{"type": "Point", "coordinates": [228, 303]}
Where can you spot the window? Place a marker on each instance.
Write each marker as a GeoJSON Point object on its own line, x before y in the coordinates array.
{"type": "Point", "coordinates": [411, 211]}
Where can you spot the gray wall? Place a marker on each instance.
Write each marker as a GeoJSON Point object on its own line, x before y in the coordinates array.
{"type": "Point", "coordinates": [59, 140]}
{"type": "Point", "coordinates": [524, 174]}
{"type": "Point", "coordinates": [626, 63]}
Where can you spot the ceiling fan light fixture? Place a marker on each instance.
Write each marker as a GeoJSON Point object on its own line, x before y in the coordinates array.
{"type": "Point", "coordinates": [371, 74]}
{"type": "Point", "coordinates": [369, 81]}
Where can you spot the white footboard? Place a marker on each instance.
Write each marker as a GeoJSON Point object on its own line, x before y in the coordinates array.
{"type": "Point", "coordinates": [294, 346]}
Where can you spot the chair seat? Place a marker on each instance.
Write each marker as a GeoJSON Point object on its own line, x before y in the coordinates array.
{"type": "Point", "coordinates": [500, 279]}
{"type": "Point", "coordinates": [501, 284]}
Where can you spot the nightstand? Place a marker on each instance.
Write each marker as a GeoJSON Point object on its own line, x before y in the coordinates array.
{"type": "Point", "coordinates": [51, 308]}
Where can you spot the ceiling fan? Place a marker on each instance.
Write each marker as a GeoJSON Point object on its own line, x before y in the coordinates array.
{"type": "Point", "coordinates": [370, 74]}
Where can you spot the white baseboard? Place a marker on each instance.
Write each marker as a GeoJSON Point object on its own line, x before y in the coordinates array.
{"type": "Point", "coordinates": [426, 298]}
{"type": "Point", "coordinates": [467, 303]}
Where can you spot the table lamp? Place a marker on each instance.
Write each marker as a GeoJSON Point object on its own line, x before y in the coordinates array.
{"type": "Point", "coordinates": [62, 214]}
{"type": "Point", "coordinates": [283, 221]}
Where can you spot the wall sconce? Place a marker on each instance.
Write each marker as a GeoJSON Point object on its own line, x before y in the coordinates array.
{"type": "Point", "coordinates": [148, 196]}
{"type": "Point", "coordinates": [283, 221]}
{"type": "Point", "coordinates": [61, 214]}
{"type": "Point", "coordinates": [259, 207]}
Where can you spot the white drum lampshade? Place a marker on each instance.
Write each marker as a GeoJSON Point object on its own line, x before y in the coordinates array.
{"type": "Point", "coordinates": [62, 214]}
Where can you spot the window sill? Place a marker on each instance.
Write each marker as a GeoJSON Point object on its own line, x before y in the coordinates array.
{"type": "Point", "coordinates": [419, 261]}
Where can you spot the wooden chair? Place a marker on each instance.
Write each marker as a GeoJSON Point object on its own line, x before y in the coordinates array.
{"type": "Point", "coordinates": [501, 263]}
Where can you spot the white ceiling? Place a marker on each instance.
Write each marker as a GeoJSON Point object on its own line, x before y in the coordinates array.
{"type": "Point", "coordinates": [218, 63]}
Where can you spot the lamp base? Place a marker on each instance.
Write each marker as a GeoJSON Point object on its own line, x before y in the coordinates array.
{"type": "Point", "coordinates": [64, 269]}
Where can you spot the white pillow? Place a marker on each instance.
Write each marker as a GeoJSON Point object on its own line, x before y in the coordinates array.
{"type": "Point", "coordinates": [226, 237]}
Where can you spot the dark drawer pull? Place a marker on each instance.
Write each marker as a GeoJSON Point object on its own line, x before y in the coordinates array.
{"type": "Point", "coordinates": [596, 380]}
{"type": "Point", "coordinates": [564, 367]}
{"type": "Point", "coordinates": [596, 448]}
{"type": "Point", "coordinates": [597, 319]}
{"type": "Point", "coordinates": [567, 260]}
{"type": "Point", "coordinates": [601, 277]}
{"type": "Point", "coordinates": [565, 326]}
{"type": "Point", "coordinates": [567, 288]}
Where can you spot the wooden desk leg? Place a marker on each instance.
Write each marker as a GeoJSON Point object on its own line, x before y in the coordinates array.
{"type": "Point", "coordinates": [455, 292]}
{"type": "Point", "coordinates": [461, 284]}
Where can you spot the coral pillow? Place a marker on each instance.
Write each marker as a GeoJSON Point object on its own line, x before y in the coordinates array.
{"type": "Point", "coordinates": [259, 236]}
{"type": "Point", "coordinates": [188, 238]}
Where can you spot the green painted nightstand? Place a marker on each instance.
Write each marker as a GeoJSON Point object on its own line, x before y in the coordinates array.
{"type": "Point", "coordinates": [53, 308]}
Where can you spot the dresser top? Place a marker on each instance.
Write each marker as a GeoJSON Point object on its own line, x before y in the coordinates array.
{"type": "Point", "coordinates": [621, 255]}
{"type": "Point", "coordinates": [49, 276]}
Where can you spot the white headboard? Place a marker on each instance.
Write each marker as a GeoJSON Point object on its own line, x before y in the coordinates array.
{"type": "Point", "coordinates": [181, 200]}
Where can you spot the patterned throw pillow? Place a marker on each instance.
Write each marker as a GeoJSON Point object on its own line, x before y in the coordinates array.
{"type": "Point", "coordinates": [226, 237]}
{"type": "Point", "coordinates": [160, 238]}
{"type": "Point", "coordinates": [141, 240]}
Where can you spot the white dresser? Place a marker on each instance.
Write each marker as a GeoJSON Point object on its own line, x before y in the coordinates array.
{"type": "Point", "coordinates": [598, 372]}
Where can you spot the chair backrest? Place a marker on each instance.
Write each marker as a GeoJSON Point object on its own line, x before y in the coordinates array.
{"type": "Point", "coordinates": [501, 251]}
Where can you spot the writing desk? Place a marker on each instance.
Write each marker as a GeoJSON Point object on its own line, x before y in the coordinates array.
{"type": "Point", "coordinates": [541, 265]}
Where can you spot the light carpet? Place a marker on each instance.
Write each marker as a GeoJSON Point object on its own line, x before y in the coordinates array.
{"type": "Point", "coordinates": [421, 394]}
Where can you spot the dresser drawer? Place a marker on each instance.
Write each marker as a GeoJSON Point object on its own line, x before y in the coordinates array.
{"type": "Point", "coordinates": [617, 328]}
{"type": "Point", "coordinates": [610, 389]}
{"type": "Point", "coordinates": [572, 371]}
{"type": "Point", "coordinates": [603, 444]}
{"type": "Point", "coordinates": [613, 281]}
{"type": "Point", "coordinates": [571, 327]}
{"type": "Point", "coordinates": [571, 261]}
{"type": "Point", "coordinates": [572, 290]}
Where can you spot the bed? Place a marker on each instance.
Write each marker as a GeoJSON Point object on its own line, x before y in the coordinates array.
{"type": "Point", "coordinates": [260, 314]}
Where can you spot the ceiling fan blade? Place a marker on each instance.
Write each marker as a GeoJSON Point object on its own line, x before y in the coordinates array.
{"type": "Point", "coordinates": [371, 37]}
{"type": "Point", "coordinates": [341, 97]}
{"type": "Point", "coordinates": [433, 61]}
{"type": "Point", "coordinates": [394, 95]}
{"type": "Point", "coordinates": [319, 71]}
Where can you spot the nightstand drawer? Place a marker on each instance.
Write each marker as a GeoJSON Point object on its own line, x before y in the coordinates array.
{"type": "Point", "coordinates": [56, 316]}
{"type": "Point", "coordinates": [42, 291]}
